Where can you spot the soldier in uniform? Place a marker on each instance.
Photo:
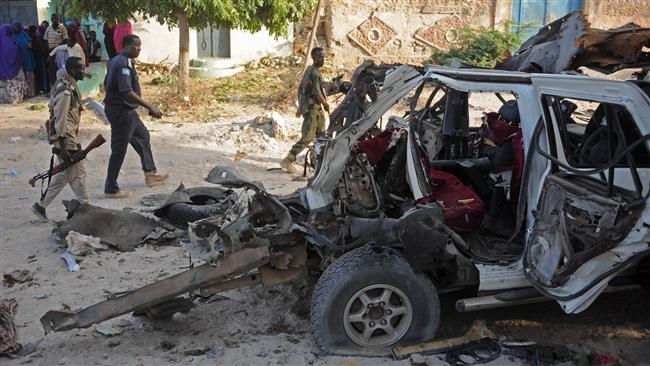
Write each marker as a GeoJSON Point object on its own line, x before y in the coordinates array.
{"type": "Point", "coordinates": [65, 107]}
{"type": "Point", "coordinates": [122, 98]}
{"type": "Point", "coordinates": [311, 102]}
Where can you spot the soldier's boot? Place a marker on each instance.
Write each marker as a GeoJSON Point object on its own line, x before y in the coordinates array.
{"type": "Point", "coordinates": [118, 194]}
{"type": "Point", "coordinates": [288, 164]}
{"type": "Point", "coordinates": [153, 179]}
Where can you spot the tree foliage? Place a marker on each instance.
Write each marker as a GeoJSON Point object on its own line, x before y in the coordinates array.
{"type": "Point", "coordinates": [481, 47]}
{"type": "Point", "coordinates": [249, 15]}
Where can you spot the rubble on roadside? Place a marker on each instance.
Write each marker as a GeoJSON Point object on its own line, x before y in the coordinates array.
{"type": "Point", "coordinates": [118, 229]}
{"type": "Point", "coordinates": [17, 276]}
{"type": "Point", "coordinates": [276, 62]}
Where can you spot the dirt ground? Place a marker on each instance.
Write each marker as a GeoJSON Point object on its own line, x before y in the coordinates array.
{"type": "Point", "coordinates": [252, 326]}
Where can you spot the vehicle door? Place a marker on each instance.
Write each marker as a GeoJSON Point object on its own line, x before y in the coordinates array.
{"type": "Point", "coordinates": [592, 219]}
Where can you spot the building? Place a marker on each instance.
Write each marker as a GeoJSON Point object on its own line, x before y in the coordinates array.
{"type": "Point", "coordinates": [408, 30]}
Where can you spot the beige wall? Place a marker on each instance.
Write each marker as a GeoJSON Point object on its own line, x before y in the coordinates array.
{"type": "Point", "coordinates": [615, 13]}
{"type": "Point", "coordinates": [246, 47]}
{"type": "Point", "coordinates": [408, 30]}
{"type": "Point", "coordinates": [399, 31]}
{"type": "Point", "coordinates": [160, 42]}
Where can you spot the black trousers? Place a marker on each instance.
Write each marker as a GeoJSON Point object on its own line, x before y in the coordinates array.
{"type": "Point", "coordinates": [126, 128]}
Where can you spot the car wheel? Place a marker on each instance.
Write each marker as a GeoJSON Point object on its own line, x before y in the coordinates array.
{"type": "Point", "coordinates": [369, 300]}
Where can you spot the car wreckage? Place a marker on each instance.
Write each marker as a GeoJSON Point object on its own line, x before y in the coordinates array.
{"type": "Point", "coordinates": [546, 199]}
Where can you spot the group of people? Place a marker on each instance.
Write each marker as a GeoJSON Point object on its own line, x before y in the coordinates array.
{"type": "Point", "coordinates": [33, 57]}
{"type": "Point", "coordinates": [123, 96]}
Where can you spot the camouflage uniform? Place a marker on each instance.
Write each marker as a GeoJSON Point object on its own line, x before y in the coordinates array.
{"type": "Point", "coordinates": [311, 110]}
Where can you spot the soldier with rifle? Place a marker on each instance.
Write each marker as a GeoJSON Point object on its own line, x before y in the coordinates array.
{"type": "Point", "coordinates": [63, 130]}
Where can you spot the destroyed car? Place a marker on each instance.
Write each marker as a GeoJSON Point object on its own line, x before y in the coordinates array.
{"type": "Point", "coordinates": [544, 197]}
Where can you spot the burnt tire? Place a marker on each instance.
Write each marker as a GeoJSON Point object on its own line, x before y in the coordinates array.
{"type": "Point", "coordinates": [206, 202]}
{"type": "Point", "coordinates": [342, 317]}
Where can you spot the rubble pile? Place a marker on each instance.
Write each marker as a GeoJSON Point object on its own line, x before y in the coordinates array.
{"type": "Point", "coordinates": [276, 62]}
{"type": "Point", "coordinates": [267, 132]}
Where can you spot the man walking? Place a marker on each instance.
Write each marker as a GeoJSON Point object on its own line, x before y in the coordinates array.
{"type": "Point", "coordinates": [311, 102]}
{"type": "Point", "coordinates": [122, 98]}
{"type": "Point", "coordinates": [65, 108]}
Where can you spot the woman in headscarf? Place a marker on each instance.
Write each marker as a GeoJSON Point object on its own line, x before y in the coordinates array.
{"type": "Point", "coordinates": [12, 78]}
{"type": "Point", "coordinates": [24, 43]}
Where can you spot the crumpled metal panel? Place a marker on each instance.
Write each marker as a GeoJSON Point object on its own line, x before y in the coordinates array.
{"type": "Point", "coordinates": [396, 85]}
{"type": "Point", "coordinates": [552, 49]}
{"type": "Point", "coordinates": [570, 43]}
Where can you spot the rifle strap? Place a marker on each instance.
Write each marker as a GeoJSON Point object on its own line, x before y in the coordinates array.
{"type": "Point", "coordinates": [49, 179]}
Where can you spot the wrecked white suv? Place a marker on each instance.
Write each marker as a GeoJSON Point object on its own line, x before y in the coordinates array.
{"type": "Point", "coordinates": [544, 197]}
{"type": "Point", "coordinates": [547, 198]}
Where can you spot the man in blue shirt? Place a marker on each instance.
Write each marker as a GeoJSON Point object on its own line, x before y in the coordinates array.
{"type": "Point", "coordinates": [122, 98]}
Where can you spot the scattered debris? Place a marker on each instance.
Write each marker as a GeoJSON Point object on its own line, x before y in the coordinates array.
{"type": "Point", "coordinates": [113, 343]}
{"type": "Point", "coordinates": [8, 343]}
{"type": "Point", "coordinates": [240, 155]}
{"type": "Point", "coordinates": [476, 332]}
{"type": "Point", "coordinates": [212, 298]}
{"type": "Point", "coordinates": [167, 345]}
{"type": "Point", "coordinates": [15, 139]}
{"type": "Point", "coordinates": [197, 351]}
{"type": "Point", "coordinates": [569, 43]}
{"type": "Point", "coordinates": [167, 308]}
{"type": "Point", "coordinates": [13, 173]}
{"type": "Point", "coordinates": [275, 121]}
{"type": "Point", "coordinates": [107, 330]}
{"type": "Point", "coordinates": [80, 244]}
{"type": "Point", "coordinates": [474, 353]}
{"type": "Point", "coordinates": [124, 323]}
{"type": "Point", "coordinates": [40, 296]}
{"type": "Point", "coordinates": [537, 354]}
{"type": "Point", "coordinates": [71, 262]}
{"type": "Point", "coordinates": [417, 360]}
{"type": "Point", "coordinates": [163, 67]}
{"type": "Point", "coordinates": [37, 107]}
{"type": "Point", "coordinates": [98, 108]}
{"type": "Point", "coordinates": [17, 276]}
{"type": "Point", "coordinates": [121, 230]}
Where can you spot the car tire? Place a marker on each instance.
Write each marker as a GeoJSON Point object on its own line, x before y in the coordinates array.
{"type": "Point", "coordinates": [340, 322]}
{"type": "Point", "coordinates": [206, 202]}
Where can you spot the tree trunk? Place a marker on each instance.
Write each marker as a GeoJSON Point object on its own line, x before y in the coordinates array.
{"type": "Point", "coordinates": [312, 35]}
{"type": "Point", "coordinates": [183, 56]}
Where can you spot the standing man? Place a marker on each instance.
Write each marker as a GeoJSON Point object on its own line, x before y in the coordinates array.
{"type": "Point", "coordinates": [311, 102]}
{"type": "Point", "coordinates": [109, 30]}
{"type": "Point", "coordinates": [55, 34]}
{"type": "Point", "coordinates": [122, 98]}
{"type": "Point", "coordinates": [65, 108]}
{"type": "Point", "coordinates": [94, 48]}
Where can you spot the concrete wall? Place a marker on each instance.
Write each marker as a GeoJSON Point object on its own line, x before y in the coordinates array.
{"type": "Point", "coordinates": [159, 41]}
{"type": "Point", "coordinates": [407, 31]}
{"type": "Point", "coordinates": [399, 31]}
{"type": "Point", "coordinates": [246, 47]}
{"type": "Point", "coordinates": [615, 13]}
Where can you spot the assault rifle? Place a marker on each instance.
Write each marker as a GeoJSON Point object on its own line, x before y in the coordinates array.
{"type": "Point", "coordinates": [75, 158]}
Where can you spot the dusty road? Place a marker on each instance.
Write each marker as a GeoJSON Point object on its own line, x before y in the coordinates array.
{"type": "Point", "coordinates": [247, 327]}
